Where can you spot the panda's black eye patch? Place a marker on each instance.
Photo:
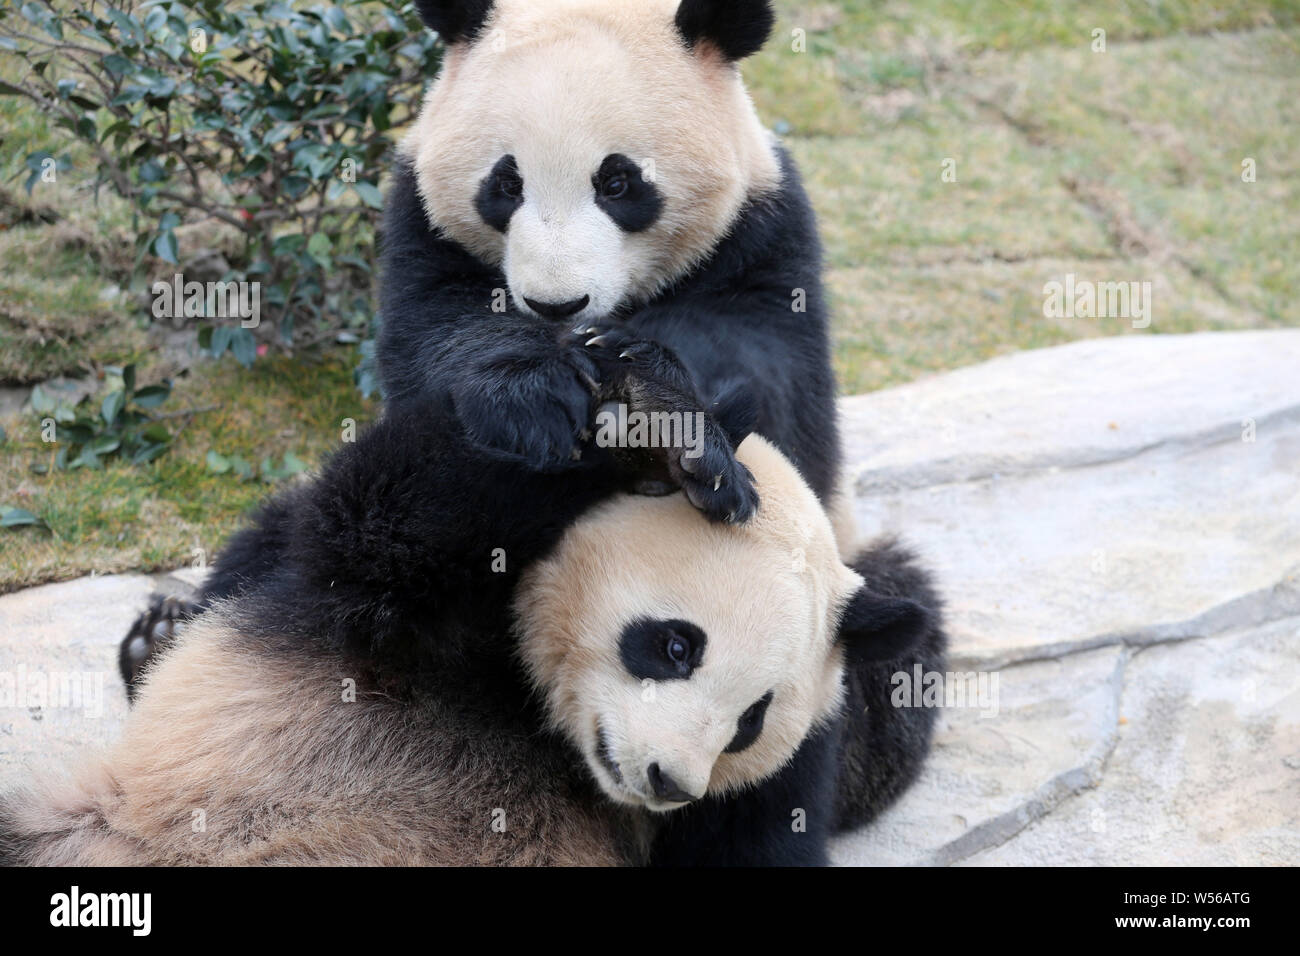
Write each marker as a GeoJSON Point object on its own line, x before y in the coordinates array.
{"type": "Point", "coordinates": [661, 650]}
{"type": "Point", "coordinates": [750, 725]}
{"type": "Point", "coordinates": [625, 195]}
{"type": "Point", "coordinates": [500, 193]}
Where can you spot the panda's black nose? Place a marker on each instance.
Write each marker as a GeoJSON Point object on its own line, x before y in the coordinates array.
{"type": "Point", "coordinates": [558, 310]}
{"type": "Point", "coordinates": [665, 787]}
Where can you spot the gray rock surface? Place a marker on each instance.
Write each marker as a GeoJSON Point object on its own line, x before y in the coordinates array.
{"type": "Point", "coordinates": [1116, 525]}
{"type": "Point", "coordinates": [59, 684]}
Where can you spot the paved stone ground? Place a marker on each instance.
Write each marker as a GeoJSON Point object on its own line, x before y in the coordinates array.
{"type": "Point", "coordinates": [1116, 524]}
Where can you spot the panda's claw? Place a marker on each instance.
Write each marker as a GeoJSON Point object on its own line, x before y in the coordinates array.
{"type": "Point", "coordinates": [150, 633]}
{"type": "Point", "coordinates": [649, 377]}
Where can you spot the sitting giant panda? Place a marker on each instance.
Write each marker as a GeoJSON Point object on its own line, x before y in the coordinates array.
{"type": "Point", "coordinates": [588, 163]}
{"type": "Point", "coordinates": [368, 702]}
{"type": "Point", "coordinates": [583, 168]}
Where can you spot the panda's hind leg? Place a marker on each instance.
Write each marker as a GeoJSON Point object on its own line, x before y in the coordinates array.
{"type": "Point", "coordinates": [884, 747]}
{"type": "Point", "coordinates": [150, 633]}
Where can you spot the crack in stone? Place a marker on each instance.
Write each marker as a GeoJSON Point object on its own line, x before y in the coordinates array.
{"type": "Point", "coordinates": [1252, 609]}
{"type": "Point", "coordinates": [1256, 608]}
{"type": "Point", "coordinates": [1070, 783]}
{"type": "Point", "coordinates": [970, 469]}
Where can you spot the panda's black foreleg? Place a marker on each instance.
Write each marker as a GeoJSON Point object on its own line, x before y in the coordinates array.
{"type": "Point", "coordinates": [783, 821]}
{"type": "Point", "coordinates": [651, 380]}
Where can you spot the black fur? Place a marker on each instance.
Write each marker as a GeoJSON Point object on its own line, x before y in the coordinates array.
{"type": "Point", "coordinates": [736, 27]}
{"type": "Point", "coordinates": [749, 727]}
{"type": "Point", "coordinates": [455, 20]}
{"type": "Point", "coordinates": [500, 193]}
{"type": "Point", "coordinates": [517, 381]}
{"type": "Point", "coordinates": [394, 549]}
{"type": "Point", "coordinates": [883, 746]}
{"type": "Point", "coordinates": [786, 821]}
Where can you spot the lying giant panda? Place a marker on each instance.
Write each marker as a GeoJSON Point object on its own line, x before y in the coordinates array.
{"type": "Point", "coordinates": [368, 702]}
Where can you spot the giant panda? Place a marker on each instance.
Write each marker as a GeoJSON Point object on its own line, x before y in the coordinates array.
{"type": "Point", "coordinates": [369, 702]}
{"type": "Point", "coordinates": [581, 168]}
{"type": "Point", "coordinates": [582, 164]}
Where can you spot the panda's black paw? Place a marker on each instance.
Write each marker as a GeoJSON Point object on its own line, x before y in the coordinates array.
{"type": "Point", "coordinates": [533, 408]}
{"type": "Point", "coordinates": [714, 481]}
{"type": "Point", "coordinates": [689, 448]}
{"type": "Point", "coordinates": [152, 631]}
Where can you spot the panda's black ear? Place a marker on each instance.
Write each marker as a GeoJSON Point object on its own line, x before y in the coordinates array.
{"type": "Point", "coordinates": [736, 27]}
{"type": "Point", "coordinates": [734, 409]}
{"type": "Point", "coordinates": [454, 20]}
{"type": "Point", "coordinates": [879, 628]}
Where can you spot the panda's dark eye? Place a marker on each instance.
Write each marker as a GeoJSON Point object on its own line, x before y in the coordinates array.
{"type": "Point", "coordinates": [500, 193]}
{"type": "Point", "coordinates": [678, 649]}
{"type": "Point", "coordinates": [615, 187]}
{"type": "Point", "coordinates": [626, 194]}
{"type": "Point", "coordinates": [661, 650]}
{"type": "Point", "coordinates": [511, 186]}
{"type": "Point", "coordinates": [750, 725]}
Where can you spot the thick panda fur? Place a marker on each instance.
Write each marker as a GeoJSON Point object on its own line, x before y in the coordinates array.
{"type": "Point", "coordinates": [727, 275]}
{"type": "Point", "coordinates": [723, 267]}
{"type": "Point", "coordinates": [712, 250]}
{"type": "Point", "coordinates": [244, 746]}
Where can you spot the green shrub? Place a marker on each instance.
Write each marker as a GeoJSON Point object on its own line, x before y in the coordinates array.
{"type": "Point", "coordinates": [269, 118]}
{"type": "Point", "coordinates": [120, 425]}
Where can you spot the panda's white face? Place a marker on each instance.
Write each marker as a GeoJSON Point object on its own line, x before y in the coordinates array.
{"type": "Point", "coordinates": [683, 658]}
{"type": "Point", "coordinates": [581, 146]}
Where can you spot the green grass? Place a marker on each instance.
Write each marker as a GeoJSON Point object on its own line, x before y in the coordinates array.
{"type": "Point", "coordinates": [155, 516]}
{"type": "Point", "coordinates": [1115, 165]}
{"type": "Point", "coordinates": [1122, 165]}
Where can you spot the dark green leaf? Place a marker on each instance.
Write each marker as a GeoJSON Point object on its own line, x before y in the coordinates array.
{"type": "Point", "coordinates": [165, 247]}
{"type": "Point", "coordinates": [243, 346]}
{"type": "Point", "coordinates": [369, 194]}
{"type": "Point", "coordinates": [157, 433]}
{"type": "Point", "coordinates": [148, 452]}
{"type": "Point", "coordinates": [151, 396]}
{"type": "Point", "coordinates": [105, 444]}
{"type": "Point", "coordinates": [114, 402]}
{"type": "Point", "coordinates": [221, 336]}
{"type": "Point", "coordinates": [16, 517]}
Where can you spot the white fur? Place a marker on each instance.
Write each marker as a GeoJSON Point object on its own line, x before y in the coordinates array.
{"type": "Point", "coordinates": [768, 596]}
{"type": "Point", "coordinates": [561, 85]}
